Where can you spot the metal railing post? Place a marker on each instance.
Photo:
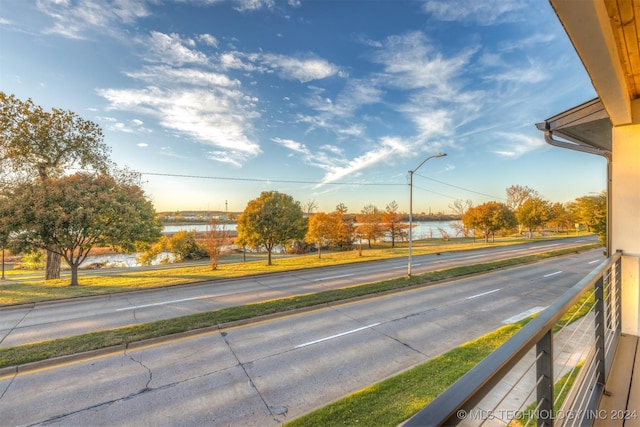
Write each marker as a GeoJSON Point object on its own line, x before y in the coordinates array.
{"type": "Point", "coordinates": [544, 373]}
{"type": "Point", "coordinates": [617, 267]}
{"type": "Point", "coordinates": [599, 320]}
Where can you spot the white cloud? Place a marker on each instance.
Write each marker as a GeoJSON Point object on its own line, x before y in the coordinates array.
{"type": "Point", "coordinates": [229, 157]}
{"type": "Point", "coordinates": [208, 40]}
{"type": "Point", "coordinates": [214, 118]}
{"type": "Point", "coordinates": [244, 5]}
{"type": "Point", "coordinates": [387, 148]}
{"type": "Point", "coordinates": [75, 19]}
{"type": "Point", "coordinates": [516, 145]}
{"type": "Point", "coordinates": [485, 12]}
{"type": "Point", "coordinates": [534, 73]}
{"type": "Point", "coordinates": [411, 63]}
{"type": "Point", "coordinates": [292, 145]}
{"type": "Point", "coordinates": [333, 149]}
{"type": "Point", "coordinates": [170, 76]}
{"type": "Point", "coordinates": [172, 49]}
{"type": "Point", "coordinates": [301, 69]}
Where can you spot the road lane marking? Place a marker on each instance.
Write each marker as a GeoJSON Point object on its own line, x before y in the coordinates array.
{"type": "Point", "coordinates": [337, 335]}
{"type": "Point", "coordinates": [594, 261]}
{"type": "Point", "coordinates": [552, 274]}
{"type": "Point", "coordinates": [333, 277]}
{"type": "Point", "coordinates": [484, 293]}
{"type": "Point", "coordinates": [161, 303]}
{"type": "Point", "coordinates": [528, 249]}
{"type": "Point", "coordinates": [523, 315]}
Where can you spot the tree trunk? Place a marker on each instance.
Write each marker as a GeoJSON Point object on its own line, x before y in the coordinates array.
{"type": "Point", "coordinates": [268, 256]}
{"type": "Point", "coordinates": [74, 275]}
{"type": "Point", "coordinates": [53, 266]}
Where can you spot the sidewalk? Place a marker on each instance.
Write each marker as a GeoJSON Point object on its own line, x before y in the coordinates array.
{"type": "Point", "coordinates": [517, 390]}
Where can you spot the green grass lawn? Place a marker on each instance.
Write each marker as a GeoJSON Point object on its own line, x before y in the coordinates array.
{"type": "Point", "coordinates": [35, 288]}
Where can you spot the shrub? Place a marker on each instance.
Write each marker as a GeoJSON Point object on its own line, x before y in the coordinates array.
{"type": "Point", "coordinates": [33, 260]}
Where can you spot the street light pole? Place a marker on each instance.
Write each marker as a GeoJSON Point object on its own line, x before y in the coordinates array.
{"type": "Point", "coordinates": [411, 172]}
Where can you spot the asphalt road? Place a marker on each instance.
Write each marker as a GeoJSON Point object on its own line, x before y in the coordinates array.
{"type": "Point", "coordinates": [269, 372]}
{"type": "Point", "coordinates": [36, 322]}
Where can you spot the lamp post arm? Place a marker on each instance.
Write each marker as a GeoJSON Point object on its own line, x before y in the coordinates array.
{"type": "Point", "coordinates": [411, 208]}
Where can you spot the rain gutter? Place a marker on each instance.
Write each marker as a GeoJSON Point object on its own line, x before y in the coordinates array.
{"type": "Point", "coordinates": [573, 143]}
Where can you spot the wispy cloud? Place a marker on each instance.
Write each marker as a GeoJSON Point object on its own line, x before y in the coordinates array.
{"type": "Point", "coordinates": [389, 146]}
{"type": "Point", "coordinates": [80, 19]}
{"type": "Point", "coordinates": [292, 145]}
{"type": "Point", "coordinates": [301, 69]}
{"type": "Point", "coordinates": [515, 145]}
{"type": "Point", "coordinates": [529, 73]}
{"type": "Point", "coordinates": [486, 12]}
{"type": "Point", "coordinates": [172, 49]}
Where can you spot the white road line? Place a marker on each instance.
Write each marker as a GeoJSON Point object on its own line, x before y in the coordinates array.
{"type": "Point", "coordinates": [333, 277]}
{"type": "Point", "coordinates": [337, 335]}
{"type": "Point", "coordinates": [484, 293]}
{"type": "Point", "coordinates": [594, 261]}
{"type": "Point", "coordinates": [160, 303]}
{"type": "Point", "coordinates": [523, 315]}
{"type": "Point", "coordinates": [552, 274]}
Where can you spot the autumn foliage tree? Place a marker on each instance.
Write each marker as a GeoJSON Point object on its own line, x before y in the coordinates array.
{"type": "Point", "coordinates": [560, 217]}
{"type": "Point", "coordinates": [393, 223]}
{"type": "Point", "coordinates": [591, 211]}
{"type": "Point", "coordinates": [38, 145]}
{"type": "Point", "coordinates": [347, 229]}
{"type": "Point", "coordinates": [488, 218]}
{"type": "Point", "coordinates": [370, 224]}
{"type": "Point", "coordinates": [323, 230]}
{"type": "Point", "coordinates": [270, 220]}
{"type": "Point", "coordinates": [70, 215]}
{"type": "Point", "coordinates": [533, 213]}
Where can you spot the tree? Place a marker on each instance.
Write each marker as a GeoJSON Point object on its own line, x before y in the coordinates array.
{"type": "Point", "coordinates": [36, 143]}
{"type": "Point", "coordinates": [347, 229]}
{"type": "Point", "coordinates": [323, 230]}
{"type": "Point", "coordinates": [533, 213]}
{"type": "Point", "coordinates": [591, 211]}
{"type": "Point", "coordinates": [370, 224]}
{"type": "Point", "coordinates": [183, 245]}
{"type": "Point", "coordinates": [489, 218]}
{"type": "Point", "coordinates": [460, 207]}
{"type": "Point", "coordinates": [517, 195]}
{"type": "Point", "coordinates": [272, 219]}
{"type": "Point", "coordinates": [70, 215]}
{"type": "Point", "coordinates": [310, 206]}
{"type": "Point", "coordinates": [392, 221]}
{"type": "Point", "coordinates": [215, 238]}
{"type": "Point", "coordinates": [560, 218]}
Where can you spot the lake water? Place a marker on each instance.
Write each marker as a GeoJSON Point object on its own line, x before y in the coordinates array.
{"type": "Point", "coordinates": [421, 230]}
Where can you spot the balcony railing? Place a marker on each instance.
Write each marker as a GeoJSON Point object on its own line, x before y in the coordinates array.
{"type": "Point", "coordinates": [551, 372]}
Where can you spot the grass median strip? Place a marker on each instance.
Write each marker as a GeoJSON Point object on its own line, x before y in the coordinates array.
{"type": "Point", "coordinates": [29, 353]}
{"type": "Point", "coordinates": [394, 400]}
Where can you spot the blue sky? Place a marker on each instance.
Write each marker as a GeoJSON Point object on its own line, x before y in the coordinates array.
{"type": "Point", "coordinates": [215, 101]}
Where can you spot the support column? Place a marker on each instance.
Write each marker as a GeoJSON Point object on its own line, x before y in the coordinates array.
{"type": "Point", "coordinates": [625, 230]}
